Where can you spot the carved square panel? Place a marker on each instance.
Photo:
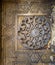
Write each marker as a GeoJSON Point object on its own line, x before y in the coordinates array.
{"type": "Point", "coordinates": [33, 31]}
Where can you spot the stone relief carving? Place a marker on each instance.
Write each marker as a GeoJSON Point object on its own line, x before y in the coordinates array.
{"type": "Point", "coordinates": [35, 31]}
{"type": "Point", "coordinates": [9, 40]}
{"type": "Point", "coordinates": [33, 7]}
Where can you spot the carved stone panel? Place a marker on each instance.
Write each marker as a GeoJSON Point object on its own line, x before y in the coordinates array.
{"type": "Point", "coordinates": [34, 32]}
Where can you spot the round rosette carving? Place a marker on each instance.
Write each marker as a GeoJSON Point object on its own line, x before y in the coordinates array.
{"type": "Point", "coordinates": [34, 31]}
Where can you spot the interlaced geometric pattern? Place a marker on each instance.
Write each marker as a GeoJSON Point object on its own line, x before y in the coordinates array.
{"type": "Point", "coordinates": [35, 32]}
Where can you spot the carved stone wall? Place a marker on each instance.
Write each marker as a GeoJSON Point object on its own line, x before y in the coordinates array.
{"type": "Point", "coordinates": [12, 55]}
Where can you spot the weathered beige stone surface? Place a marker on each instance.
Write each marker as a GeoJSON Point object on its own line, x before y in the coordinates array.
{"type": "Point", "coordinates": [9, 12]}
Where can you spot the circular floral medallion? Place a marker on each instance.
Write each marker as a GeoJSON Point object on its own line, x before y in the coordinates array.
{"type": "Point", "coordinates": [34, 31]}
